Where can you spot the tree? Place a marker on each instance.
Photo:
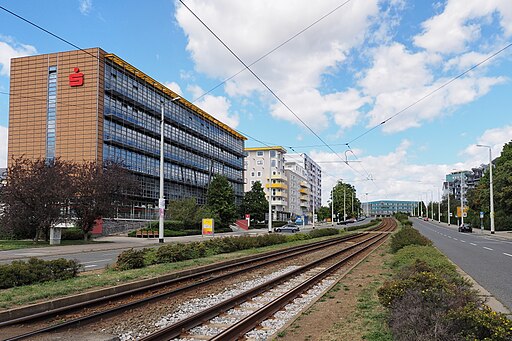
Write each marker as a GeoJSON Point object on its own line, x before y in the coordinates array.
{"type": "Point", "coordinates": [99, 189]}
{"type": "Point", "coordinates": [478, 198]}
{"type": "Point", "coordinates": [255, 203]}
{"type": "Point", "coordinates": [182, 210]}
{"type": "Point", "coordinates": [343, 193]}
{"type": "Point", "coordinates": [36, 196]}
{"type": "Point", "coordinates": [220, 199]}
{"type": "Point", "coordinates": [323, 213]}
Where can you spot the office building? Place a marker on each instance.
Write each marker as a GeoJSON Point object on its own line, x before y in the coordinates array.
{"type": "Point", "coordinates": [90, 105]}
{"type": "Point", "coordinates": [389, 207]}
{"type": "Point", "coordinates": [266, 165]}
{"type": "Point", "coordinates": [470, 180]}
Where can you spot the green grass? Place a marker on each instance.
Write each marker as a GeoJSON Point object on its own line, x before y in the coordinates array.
{"type": "Point", "coordinates": [25, 244]}
{"type": "Point", "coordinates": [373, 314]}
{"type": "Point", "coordinates": [87, 281]}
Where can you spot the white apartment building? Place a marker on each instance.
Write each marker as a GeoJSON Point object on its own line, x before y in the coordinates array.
{"type": "Point", "coordinates": [314, 178]}
{"type": "Point", "coordinates": [298, 188]}
{"type": "Point", "coordinates": [266, 165]}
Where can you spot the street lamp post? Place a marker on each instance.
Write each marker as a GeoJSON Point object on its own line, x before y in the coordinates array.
{"type": "Point", "coordinates": [461, 199]}
{"type": "Point", "coordinates": [448, 211]}
{"type": "Point", "coordinates": [269, 193]}
{"type": "Point", "coordinates": [367, 208]}
{"type": "Point", "coordinates": [491, 197]}
{"type": "Point", "coordinates": [161, 199]}
{"type": "Point", "coordinates": [332, 207]}
{"type": "Point", "coordinates": [438, 207]}
{"type": "Point", "coordinates": [344, 208]}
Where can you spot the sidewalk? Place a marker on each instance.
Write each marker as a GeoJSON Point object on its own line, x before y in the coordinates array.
{"type": "Point", "coordinates": [112, 242]}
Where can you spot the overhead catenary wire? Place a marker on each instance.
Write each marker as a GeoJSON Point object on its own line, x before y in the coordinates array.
{"type": "Point", "coordinates": [275, 48]}
{"type": "Point", "coordinates": [422, 98]}
{"type": "Point", "coordinates": [258, 78]}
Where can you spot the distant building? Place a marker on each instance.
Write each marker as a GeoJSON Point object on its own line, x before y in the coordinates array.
{"type": "Point", "coordinates": [314, 173]}
{"type": "Point", "coordinates": [3, 175]}
{"type": "Point", "coordinates": [470, 179]}
{"type": "Point", "coordinates": [389, 207]}
{"type": "Point", "coordinates": [298, 188]}
{"type": "Point", "coordinates": [266, 165]}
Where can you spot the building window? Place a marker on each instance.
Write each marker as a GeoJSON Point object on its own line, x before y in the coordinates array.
{"type": "Point", "coordinates": [259, 162]}
{"type": "Point", "coordinates": [51, 112]}
{"type": "Point", "coordinates": [272, 153]}
{"type": "Point", "coordinates": [259, 174]}
{"type": "Point", "coordinates": [260, 153]}
{"type": "Point", "coordinates": [252, 173]}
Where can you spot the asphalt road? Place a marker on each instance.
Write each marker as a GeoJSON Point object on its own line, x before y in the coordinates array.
{"type": "Point", "coordinates": [487, 259]}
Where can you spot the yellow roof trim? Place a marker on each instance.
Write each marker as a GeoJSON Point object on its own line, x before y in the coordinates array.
{"type": "Point", "coordinates": [254, 149]}
{"type": "Point", "coordinates": [141, 75]}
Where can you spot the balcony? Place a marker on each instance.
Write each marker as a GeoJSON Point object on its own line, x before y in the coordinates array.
{"type": "Point", "coordinates": [277, 185]}
{"type": "Point", "coordinates": [304, 204]}
{"type": "Point", "coordinates": [304, 198]}
{"type": "Point", "coordinates": [279, 177]}
{"type": "Point", "coordinates": [304, 184]}
{"type": "Point", "coordinates": [279, 193]}
{"type": "Point", "coordinates": [303, 191]}
{"type": "Point", "coordinates": [279, 202]}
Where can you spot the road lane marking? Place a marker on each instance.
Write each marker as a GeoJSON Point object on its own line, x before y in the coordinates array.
{"type": "Point", "coordinates": [96, 261]}
{"type": "Point", "coordinates": [90, 266]}
{"type": "Point", "coordinates": [463, 241]}
{"type": "Point", "coordinates": [473, 244]}
{"type": "Point", "coordinates": [487, 248]}
{"type": "Point", "coordinates": [455, 238]}
{"type": "Point", "coordinates": [507, 254]}
{"type": "Point", "coordinates": [449, 237]}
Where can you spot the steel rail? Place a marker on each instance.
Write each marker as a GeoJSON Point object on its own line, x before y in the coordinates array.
{"type": "Point", "coordinates": [253, 320]}
{"type": "Point", "coordinates": [177, 328]}
{"type": "Point", "coordinates": [267, 259]}
{"type": "Point", "coordinates": [190, 276]}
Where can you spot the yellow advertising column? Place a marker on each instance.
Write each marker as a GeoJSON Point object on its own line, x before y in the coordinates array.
{"type": "Point", "coordinates": [208, 227]}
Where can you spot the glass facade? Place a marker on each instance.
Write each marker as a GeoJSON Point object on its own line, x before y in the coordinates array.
{"type": "Point", "coordinates": [195, 149]}
{"type": "Point", "coordinates": [51, 112]}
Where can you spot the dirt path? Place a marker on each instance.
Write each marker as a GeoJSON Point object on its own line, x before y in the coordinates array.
{"type": "Point", "coordinates": [342, 313]}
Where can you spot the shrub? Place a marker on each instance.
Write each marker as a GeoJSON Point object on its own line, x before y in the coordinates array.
{"type": "Point", "coordinates": [473, 322]}
{"type": "Point", "coordinates": [72, 234]}
{"type": "Point", "coordinates": [130, 259]}
{"type": "Point", "coordinates": [35, 270]}
{"type": "Point", "coordinates": [419, 300]}
{"type": "Point", "coordinates": [324, 232]}
{"type": "Point", "coordinates": [407, 236]}
{"type": "Point", "coordinates": [179, 252]}
{"type": "Point", "coordinates": [299, 236]}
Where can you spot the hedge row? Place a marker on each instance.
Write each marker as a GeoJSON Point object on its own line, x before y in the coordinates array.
{"type": "Point", "coordinates": [407, 235]}
{"type": "Point", "coordinates": [35, 270]}
{"type": "Point", "coordinates": [132, 259]}
{"type": "Point", "coordinates": [428, 300]}
{"type": "Point", "coordinates": [358, 227]}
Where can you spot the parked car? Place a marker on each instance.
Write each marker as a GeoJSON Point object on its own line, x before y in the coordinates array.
{"type": "Point", "coordinates": [425, 219]}
{"type": "Point", "coordinates": [288, 227]}
{"type": "Point", "coordinates": [466, 227]}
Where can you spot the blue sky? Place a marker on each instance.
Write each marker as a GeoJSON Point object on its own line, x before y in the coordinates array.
{"type": "Point", "coordinates": [355, 68]}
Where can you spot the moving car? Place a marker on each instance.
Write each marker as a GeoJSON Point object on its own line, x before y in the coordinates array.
{"type": "Point", "coordinates": [288, 227]}
{"type": "Point", "coordinates": [466, 227]}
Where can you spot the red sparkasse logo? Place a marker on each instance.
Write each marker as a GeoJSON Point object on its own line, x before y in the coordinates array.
{"type": "Point", "coordinates": [77, 78]}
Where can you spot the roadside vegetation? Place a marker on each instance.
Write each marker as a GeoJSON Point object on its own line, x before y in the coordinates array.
{"type": "Point", "coordinates": [428, 300]}
{"type": "Point", "coordinates": [110, 277]}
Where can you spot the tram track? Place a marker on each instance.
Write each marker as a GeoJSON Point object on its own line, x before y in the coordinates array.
{"type": "Point", "coordinates": [194, 277]}
{"type": "Point", "coordinates": [253, 319]}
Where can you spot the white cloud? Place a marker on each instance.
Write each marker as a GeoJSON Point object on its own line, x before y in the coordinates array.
{"type": "Point", "coordinates": [174, 87]}
{"type": "Point", "coordinates": [295, 70]}
{"type": "Point", "coordinates": [495, 138]}
{"type": "Point", "coordinates": [459, 92]}
{"type": "Point", "coordinates": [395, 68]}
{"type": "Point", "coordinates": [402, 179]}
{"type": "Point", "coordinates": [217, 106]}
{"type": "Point", "coordinates": [85, 6]}
{"type": "Point", "coordinates": [10, 49]}
{"type": "Point", "coordinates": [3, 146]}
{"type": "Point", "coordinates": [456, 27]}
